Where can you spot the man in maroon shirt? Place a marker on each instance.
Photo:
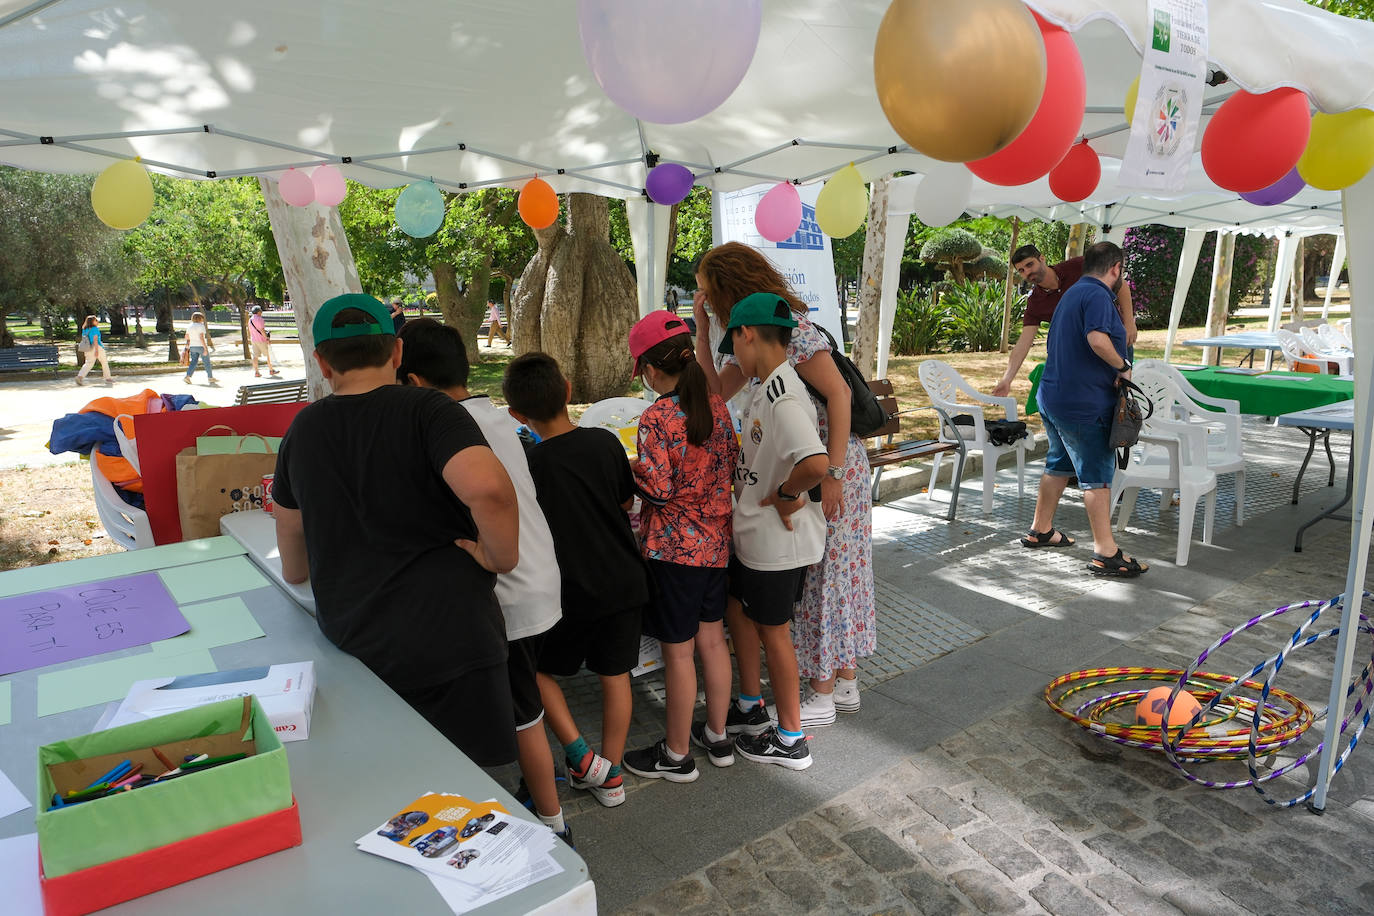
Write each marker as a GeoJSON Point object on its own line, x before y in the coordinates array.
{"type": "Point", "coordinates": [1049, 284]}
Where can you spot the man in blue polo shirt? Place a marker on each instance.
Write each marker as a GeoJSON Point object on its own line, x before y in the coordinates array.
{"type": "Point", "coordinates": [1078, 393]}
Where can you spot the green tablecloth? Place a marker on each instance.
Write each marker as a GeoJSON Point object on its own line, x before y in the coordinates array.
{"type": "Point", "coordinates": [1265, 395]}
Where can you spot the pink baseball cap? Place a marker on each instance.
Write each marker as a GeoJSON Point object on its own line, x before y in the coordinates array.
{"type": "Point", "coordinates": [653, 329]}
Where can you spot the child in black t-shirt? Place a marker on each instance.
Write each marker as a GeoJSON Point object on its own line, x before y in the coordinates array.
{"type": "Point", "coordinates": [584, 485]}
{"type": "Point", "coordinates": [389, 500]}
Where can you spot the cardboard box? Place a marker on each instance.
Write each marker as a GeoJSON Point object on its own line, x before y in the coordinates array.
{"type": "Point", "coordinates": [286, 692]}
{"type": "Point", "coordinates": [80, 836]}
{"type": "Point", "coordinates": [99, 886]}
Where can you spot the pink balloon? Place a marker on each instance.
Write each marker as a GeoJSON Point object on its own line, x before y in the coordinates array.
{"type": "Point", "coordinates": [330, 188]}
{"type": "Point", "coordinates": [779, 213]}
{"type": "Point", "coordinates": [296, 188]}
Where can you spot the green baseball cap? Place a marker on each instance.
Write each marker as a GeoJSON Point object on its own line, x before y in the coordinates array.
{"type": "Point", "coordinates": [755, 309]}
{"type": "Point", "coordinates": [323, 329]}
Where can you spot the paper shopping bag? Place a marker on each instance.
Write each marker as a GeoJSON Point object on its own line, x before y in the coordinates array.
{"type": "Point", "coordinates": [212, 486]}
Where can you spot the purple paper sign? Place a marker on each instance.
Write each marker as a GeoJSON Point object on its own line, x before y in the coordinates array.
{"type": "Point", "coordinates": [44, 628]}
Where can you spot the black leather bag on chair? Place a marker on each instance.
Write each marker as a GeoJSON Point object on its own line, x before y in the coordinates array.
{"type": "Point", "coordinates": [1133, 408]}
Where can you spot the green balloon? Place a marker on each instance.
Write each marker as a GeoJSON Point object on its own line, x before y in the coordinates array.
{"type": "Point", "coordinates": [420, 209]}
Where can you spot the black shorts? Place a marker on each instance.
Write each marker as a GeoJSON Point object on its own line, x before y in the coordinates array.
{"type": "Point", "coordinates": [684, 597]}
{"type": "Point", "coordinates": [522, 662]}
{"type": "Point", "coordinates": [608, 645]}
{"type": "Point", "coordinates": [473, 711]}
{"type": "Point", "coordinates": [769, 596]}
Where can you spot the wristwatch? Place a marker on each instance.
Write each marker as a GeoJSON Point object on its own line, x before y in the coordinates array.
{"type": "Point", "coordinates": [835, 473]}
{"type": "Point", "coordinates": [1126, 367]}
{"type": "Point", "coordinates": [787, 497]}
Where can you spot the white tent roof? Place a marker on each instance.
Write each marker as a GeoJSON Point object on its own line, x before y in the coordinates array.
{"type": "Point", "coordinates": [493, 92]}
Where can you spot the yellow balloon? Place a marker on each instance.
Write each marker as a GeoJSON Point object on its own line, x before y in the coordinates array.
{"type": "Point", "coordinates": [1340, 150]}
{"type": "Point", "coordinates": [842, 204]}
{"type": "Point", "coordinates": [123, 195]}
{"type": "Point", "coordinates": [1131, 93]}
{"type": "Point", "coordinates": [959, 81]}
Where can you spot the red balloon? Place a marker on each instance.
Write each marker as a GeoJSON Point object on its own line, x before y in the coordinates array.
{"type": "Point", "coordinates": [1254, 140]}
{"type": "Point", "coordinates": [1077, 174]}
{"type": "Point", "coordinates": [1055, 124]}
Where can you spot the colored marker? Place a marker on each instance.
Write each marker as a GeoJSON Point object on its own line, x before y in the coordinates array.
{"type": "Point", "coordinates": [177, 770]}
{"type": "Point", "coordinates": [132, 776]}
{"type": "Point", "coordinates": [212, 761]}
{"type": "Point", "coordinates": [114, 774]}
{"type": "Point", "coordinates": [163, 758]}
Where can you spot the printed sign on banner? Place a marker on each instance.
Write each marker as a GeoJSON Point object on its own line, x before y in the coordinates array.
{"type": "Point", "coordinates": [805, 259]}
{"type": "Point", "coordinates": [1173, 75]}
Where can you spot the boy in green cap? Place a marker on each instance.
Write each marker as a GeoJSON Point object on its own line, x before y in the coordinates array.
{"type": "Point", "coordinates": [779, 528]}
{"type": "Point", "coordinates": [390, 501]}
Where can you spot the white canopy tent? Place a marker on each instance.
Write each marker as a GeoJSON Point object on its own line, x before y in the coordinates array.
{"type": "Point", "coordinates": [474, 94]}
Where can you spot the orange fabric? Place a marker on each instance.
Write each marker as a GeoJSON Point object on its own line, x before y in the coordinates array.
{"type": "Point", "coordinates": [117, 470]}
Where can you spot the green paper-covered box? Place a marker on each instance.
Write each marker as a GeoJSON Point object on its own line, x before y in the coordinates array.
{"type": "Point", "coordinates": [79, 836]}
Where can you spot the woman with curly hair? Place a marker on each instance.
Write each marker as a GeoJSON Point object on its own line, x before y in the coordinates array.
{"type": "Point", "coordinates": [835, 624]}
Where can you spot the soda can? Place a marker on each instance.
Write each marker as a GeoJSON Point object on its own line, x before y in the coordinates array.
{"type": "Point", "coordinates": [267, 502]}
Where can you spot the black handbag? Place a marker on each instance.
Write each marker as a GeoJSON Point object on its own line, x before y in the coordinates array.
{"type": "Point", "coordinates": [866, 415]}
{"type": "Point", "coordinates": [1133, 408]}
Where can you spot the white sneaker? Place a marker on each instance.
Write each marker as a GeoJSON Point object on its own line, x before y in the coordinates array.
{"type": "Point", "coordinates": [817, 709]}
{"type": "Point", "coordinates": [847, 694]}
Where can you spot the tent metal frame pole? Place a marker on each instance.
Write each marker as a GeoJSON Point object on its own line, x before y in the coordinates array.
{"type": "Point", "coordinates": [84, 138]}
{"type": "Point", "coordinates": [31, 10]}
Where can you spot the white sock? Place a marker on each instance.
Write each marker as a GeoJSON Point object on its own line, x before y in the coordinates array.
{"type": "Point", "coordinates": [675, 758]}
{"type": "Point", "coordinates": [712, 736]}
{"type": "Point", "coordinates": [553, 821]}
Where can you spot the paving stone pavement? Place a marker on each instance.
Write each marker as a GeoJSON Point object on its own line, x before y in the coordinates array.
{"type": "Point", "coordinates": [957, 790]}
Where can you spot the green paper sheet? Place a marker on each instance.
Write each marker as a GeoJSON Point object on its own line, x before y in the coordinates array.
{"type": "Point", "coordinates": [5, 693]}
{"type": "Point", "coordinates": [212, 580]}
{"type": "Point", "coordinates": [230, 445]}
{"type": "Point", "coordinates": [102, 682]}
{"type": "Point", "coordinates": [213, 624]}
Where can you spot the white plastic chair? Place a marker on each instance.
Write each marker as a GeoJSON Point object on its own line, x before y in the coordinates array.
{"type": "Point", "coordinates": [1334, 338]}
{"type": "Point", "coordinates": [1175, 398]}
{"type": "Point", "coordinates": [945, 388]}
{"type": "Point", "coordinates": [1295, 353]}
{"type": "Point", "coordinates": [128, 447]}
{"type": "Point", "coordinates": [127, 526]}
{"type": "Point", "coordinates": [614, 413]}
{"type": "Point", "coordinates": [1184, 469]}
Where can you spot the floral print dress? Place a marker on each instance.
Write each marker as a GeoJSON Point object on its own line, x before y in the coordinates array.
{"type": "Point", "coordinates": [836, 621]}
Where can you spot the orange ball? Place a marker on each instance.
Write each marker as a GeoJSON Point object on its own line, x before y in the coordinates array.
{"type": "Point", "coordinates": [1150, 709]}
{"type": "Point", "coordinates": [538, 204]}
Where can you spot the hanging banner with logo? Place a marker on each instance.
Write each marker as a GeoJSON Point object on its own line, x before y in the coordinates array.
{"type": "Point", "coordinates": [804, 260]}
{"type": "Point", "coordinates": [1173, 78]}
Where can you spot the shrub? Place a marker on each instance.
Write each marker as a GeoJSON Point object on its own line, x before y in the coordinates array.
{"type": "Point", "coordinates": [975, 315]}
{"type": "Point", "coordinates": [950, 248]}
{"type": "Point", "coordinates": [918, 326]}
{"type": "Point", "coordinates": [988, 266]}
{"type": "Point", "coordinates": [1152, 254]}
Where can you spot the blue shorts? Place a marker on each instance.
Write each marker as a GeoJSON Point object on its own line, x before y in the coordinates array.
{"type": "Point", "coordinates": [1080, 449]}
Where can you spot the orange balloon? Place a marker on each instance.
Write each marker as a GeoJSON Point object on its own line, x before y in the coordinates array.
{"type": "Point", "coordinates": [538, 204]}
{"type": "Point", "coordinates": [1150, 709]}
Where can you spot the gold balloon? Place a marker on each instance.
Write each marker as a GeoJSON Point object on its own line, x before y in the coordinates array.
{"type": "Point", "coordinates": [1340, 149]}
{"type": "Point", "coordinates": [959, 81]}
{"type": "Point", "coordinates": [122, 195]}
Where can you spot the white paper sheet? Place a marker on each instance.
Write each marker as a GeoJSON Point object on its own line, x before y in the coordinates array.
{"type": "Point", "coordinates": [11, 799]}
{"type": "Point", "coordinates": [19, 875]}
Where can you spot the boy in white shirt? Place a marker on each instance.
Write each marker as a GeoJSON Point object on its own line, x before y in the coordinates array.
{"type": "Point", "coordinates": [779, 528]}
{"type": "Point", "coordinates": [433, 356]}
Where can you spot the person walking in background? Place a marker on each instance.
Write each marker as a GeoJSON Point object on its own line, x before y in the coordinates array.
{"type": "Point", "coordinates": [260, 341]}
{"type": "Point", "coordinates": [1078, 394]}
{"type": "Point", "coordinates": [91, 345]}
{"type": "Point", "coordinates": [1049, 284]}
{"type": "Point", "coordinates": [836, 622]}
{"type": "Point", "coordinates": [398, 315]}
{"type": "Point", "coordinates": [494, 325]}
{"type": "Point", "coordinates": [199, 344]}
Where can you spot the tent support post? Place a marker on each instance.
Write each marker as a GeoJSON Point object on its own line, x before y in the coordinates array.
{"type": "Point", "coordinates": [1187, 264]}
{"type": "Point", "coordinates": [1333, 275]}
{"type": "Point", "coordinates": [1011, 272]}
{"type": "Point", "coordinates": [1283, 264]}
{"type": "Point", "coordinates": [1358, 207]}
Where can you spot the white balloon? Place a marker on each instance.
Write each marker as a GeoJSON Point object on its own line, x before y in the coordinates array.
{"type": "Point", "coordinates": [943, 194]}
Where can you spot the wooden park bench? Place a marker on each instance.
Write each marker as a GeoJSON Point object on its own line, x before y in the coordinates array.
{"type": "Point", "coordinates": [890, 450]}
{"type": "Point", "coordinates": [272, 393]}
{"type": "Point", "coordinates": [31, 356]}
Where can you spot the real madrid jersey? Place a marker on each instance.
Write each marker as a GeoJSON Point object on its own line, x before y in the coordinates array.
{"type": "Point", "coordinates": [779, 432]}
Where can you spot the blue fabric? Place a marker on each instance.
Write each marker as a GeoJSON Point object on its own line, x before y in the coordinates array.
{"type": "Point", "coordinates": [1078, 385]}
{"type": "Point", "coordinates": [80, 432]}
{"type": "Point", "coordinates": [1081, 450]}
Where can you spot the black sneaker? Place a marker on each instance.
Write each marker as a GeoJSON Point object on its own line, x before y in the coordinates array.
{"type": "Point", "coordinates": [566, 836]}
{"type": "Point", "coordinates": [721, 753]}
{"type": "Point", "coordinates": [768, 748]}
{"type": "Point", "coordinates": [753, 722]}
{"type": "Point", "coordinates": [654, 763]}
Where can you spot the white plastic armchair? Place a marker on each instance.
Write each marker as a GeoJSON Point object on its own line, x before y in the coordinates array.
{"type": "Point", "coordinates": [1334, 337]}
{"type": "Point", "coordinates": [1183, 468]}
{"type": "Point", "coordinates": [948, 391]}
{"type": "Point", "coordinates": [127, 526]}
{"type": "Point", "coordinates": [613, 413]}
{"type": "Point", "coordinates": [128, 447]}
{"type": "Point", "coordinates": [1174, 398]}
{"type": "Point", "coordinates": [1295, 352]}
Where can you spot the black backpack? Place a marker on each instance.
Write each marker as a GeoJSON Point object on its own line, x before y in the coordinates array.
{"type": "Point", "coordinates": [866, 415]}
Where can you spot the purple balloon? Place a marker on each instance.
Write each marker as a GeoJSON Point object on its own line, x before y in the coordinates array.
{"type": "Point", "coordinates": [669, 183]}
{"type": "Point", "coordinates": [1277, 192]}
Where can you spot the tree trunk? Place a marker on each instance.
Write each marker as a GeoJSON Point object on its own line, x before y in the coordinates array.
{"type": "Point", "coordinates": [865, 348]}
{"type": "Point", "coordinates": [1010, 286]}
{"type": "Point", "coordinates": [6, 338]}
{"type": "Point", "coordinates": [577, 302]}
{"type": "Point", "coordinates": [317, 264]}
{"type": "Point", "coordinates": [1078, 234]}
{"type": "Point", "coordinates": [1219, 305]}
{"type": "Point", "coordinates": [163, 313]}
{"type": "Point", "coordinates": [241, 304]}
{"type": "Point", "coordinates": [119, 324]}
{"type": "Point", "coordinates": [1299, 281]}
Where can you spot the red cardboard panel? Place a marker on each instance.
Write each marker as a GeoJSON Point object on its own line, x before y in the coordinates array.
{"type": "Point", "coordinates": [161, 435]}
{"type": "Point", "coordinates": [101, 886]}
